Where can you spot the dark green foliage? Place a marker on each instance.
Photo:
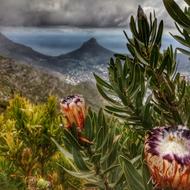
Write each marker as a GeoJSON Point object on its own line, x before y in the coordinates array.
{"type": "Point", "coordinates": [97, 163]}
{"type": "Point", "coordinates": [143, 90]}
{"type": "Point", "coordinates": [9, 180]}
{"type": "Point", "coordinates": [133, 178]}
{"type": "Point", "coordinates": [182, 19]}
{"type": "Point", "coordinates": [144, 87]}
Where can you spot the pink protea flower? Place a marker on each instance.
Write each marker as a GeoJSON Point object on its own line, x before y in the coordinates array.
{"type": "Point", "coordinates": [74, 109]}
{"type": "Point", "coordinates": [167, 153]}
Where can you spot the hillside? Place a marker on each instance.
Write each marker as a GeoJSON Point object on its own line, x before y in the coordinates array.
{"type": "Point", "coordinates": [90, 57]}
{"type": "Point", "coordinates": [13, 50]}
{"type": "Point", "coordinates": [37, 84]}
{"type": "Point", "coordinates": [75, 67]}
{"type": "Point", "coordinates": [79, 64]}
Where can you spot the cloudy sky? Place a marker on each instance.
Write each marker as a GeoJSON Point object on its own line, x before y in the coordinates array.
{"type": "Point", "coordinates": [82, 13]}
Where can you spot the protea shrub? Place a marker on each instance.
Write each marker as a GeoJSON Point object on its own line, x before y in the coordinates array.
{"type": "Point", "coordinates": [167, 153]}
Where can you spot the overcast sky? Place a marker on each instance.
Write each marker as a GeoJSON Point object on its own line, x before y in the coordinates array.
{"type": "Point", "coordinates": [84, 13]}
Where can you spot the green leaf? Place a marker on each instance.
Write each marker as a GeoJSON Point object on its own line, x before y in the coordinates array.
{"type": "Point", "coordinates": [165, 62]}
{"type": "Point", "coordinates": [153, 31]}
{"type": "Point", "coordinates": [145, 30]}
{"type": "Point", "coordinates": [120, 56]}
{"type": "Point", "coordinates": [159, 34]}
{"type": "Point", "coordinates": [188, 2]}
{"type": "Point", "coordinates": [101, 117]}
{"type": "Point", "coordinates": [73, 141]}
{"type": "Point", "coordinates": [129, 40]}
{"type": "Point", "coordinates": [102, 82]}
{"type": "Point", "coordinates": [146, 177]}
{"type": "Point", "coordinates": [133, 178]}
{"type": "Point", "coordinates": [102, 92]}
{"type": "Point", "coordinates": [80, 163]}
{"type": "Point", "coordinates": [154, 56]}
{"type": "Point", "coordinates": [119, 180]}
{"type": "Point", "coordinates": [89, 128]}
{"type": "Point", "coordinates": [118, 109]}
{"type": "Point", "coordinates": [181, 40]}
{"type": "Point", "coordinates": [131, 49]}
{"type": "Point", "coordinates": [63, 150]}
{"type": "Point", "coordinates": [141, 58]}
{"type": "Point", "coordinates": [184, 51]}
{"type": "Point", "coordinates": [147, 124]}
{"type": "Point", "coordinates": [133, 27]}
{"type": "Point", "coordinates": [96, 157]}
{"type": "Point", "coordinates": [82, 175]}
{"type": "Point", "coordinates": [176, 13]}
{"type": "Point", "coordinates": [112, 167]}
{"type": "Point", "coordinates": [178, 28]}
{"type": "Point", "coordinates": [100, 137]}
{"type": "Point", "coordinates": [94, 185]}
{"type": "Point", "coordinates": [112, 155]}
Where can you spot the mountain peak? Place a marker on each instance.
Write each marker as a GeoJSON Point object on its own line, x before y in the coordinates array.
{"type": "Point", "coordinates": [90, 48]}
{"type": "Point", "coordinates": [92, 42]}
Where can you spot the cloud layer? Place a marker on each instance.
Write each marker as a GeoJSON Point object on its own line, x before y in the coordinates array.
{"type": "Point", "coordinates": [82, 13]}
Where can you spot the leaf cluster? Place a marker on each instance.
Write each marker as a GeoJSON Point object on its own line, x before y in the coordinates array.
{"type": "Point", "coordinates": [144, 87]}
{"type": "Point", "coordinates": [97, 163]}
{"type": "Point", "coordinates": [182, 19]}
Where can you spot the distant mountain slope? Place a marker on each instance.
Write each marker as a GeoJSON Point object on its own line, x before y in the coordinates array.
{"type": "Point", "coordinates": [77, 66]}
{"type": "Point", "coordinates": [13, 50]}
{"type": "Point", "coordinates": [80, 64]}
{"type": "Point", "coordinates": [37, 85]}
{"type": "Point", "coordinates": [90, 54]}
{"type": "Point", "coordinates": [89, 49]}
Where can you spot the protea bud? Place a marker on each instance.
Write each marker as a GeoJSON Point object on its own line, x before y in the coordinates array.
{"type": "Point", "coordinates": [167, 153]}
{"type": "Point", "coordinates": [74, 109]}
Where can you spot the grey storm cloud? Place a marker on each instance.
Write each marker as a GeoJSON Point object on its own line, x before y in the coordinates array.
{"type": "Point", "coordinates": [89, 13]}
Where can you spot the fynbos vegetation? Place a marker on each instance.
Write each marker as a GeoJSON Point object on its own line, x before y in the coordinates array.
{"type": "Point", "coordinates": [28, 158]}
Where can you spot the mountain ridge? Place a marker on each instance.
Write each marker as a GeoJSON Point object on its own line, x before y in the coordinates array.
{"type": "Point", "coordinates": [89, 57]}
{"type": "Point", "coordinates": [14, 50]}
{"type": "Point", "coordinates": [77, 65]}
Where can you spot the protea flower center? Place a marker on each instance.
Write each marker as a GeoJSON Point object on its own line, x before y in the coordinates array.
{"type": "Point", "coordinates": [167, 153]}
{"type": "Point", "coordinates": [73, 108]}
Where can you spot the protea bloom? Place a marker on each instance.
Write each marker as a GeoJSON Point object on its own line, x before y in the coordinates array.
{"type": "Point", "coordinates": [167, 153]}
{"type": "Point", "coordinates": [74, 109]}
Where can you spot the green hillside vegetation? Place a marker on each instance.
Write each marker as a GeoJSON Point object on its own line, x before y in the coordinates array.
{"type": "Point", "coordinates": [27, 155]}
{"type": "Point", "coordinates": [37, 85]}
